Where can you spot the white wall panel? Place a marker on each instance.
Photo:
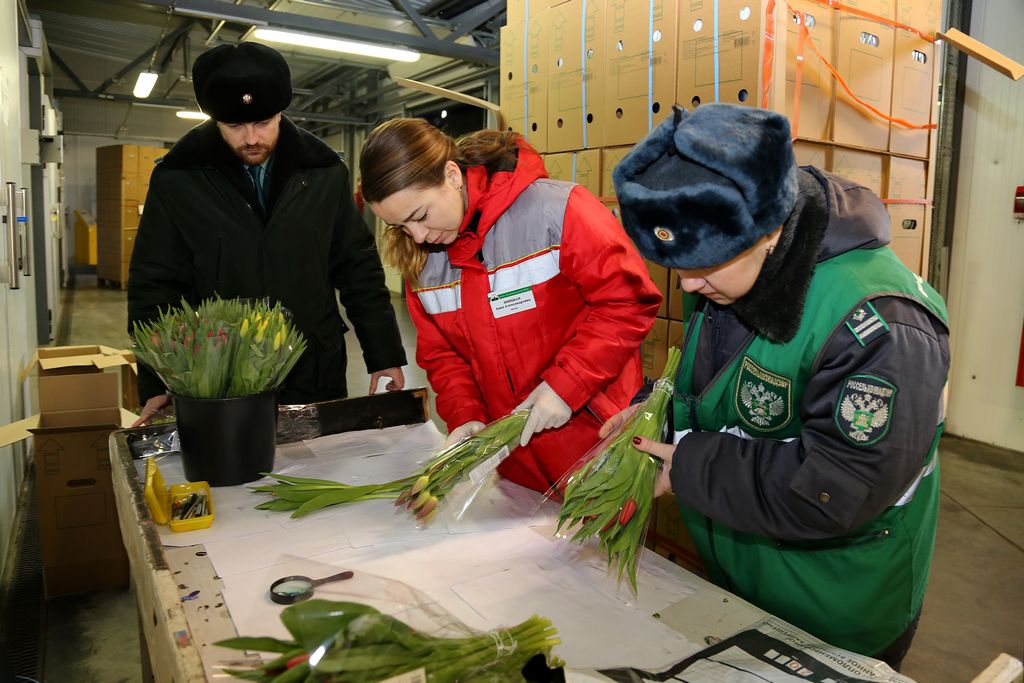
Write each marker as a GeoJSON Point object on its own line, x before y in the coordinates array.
{"type": "Point", "coordinates": [986, 285]}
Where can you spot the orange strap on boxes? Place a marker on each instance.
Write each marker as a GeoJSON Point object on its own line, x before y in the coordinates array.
{"type": "Point", "coordinates": [767, 63]}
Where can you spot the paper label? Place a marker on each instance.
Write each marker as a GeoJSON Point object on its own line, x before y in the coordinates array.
{"type": "Point", "coordinates": [513, 301]}
{"type": "Point", "coordinates": [484, 469]}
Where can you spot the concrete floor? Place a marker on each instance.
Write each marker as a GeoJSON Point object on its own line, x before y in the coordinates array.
{"type": "Point", "coordinates": [974, 608]}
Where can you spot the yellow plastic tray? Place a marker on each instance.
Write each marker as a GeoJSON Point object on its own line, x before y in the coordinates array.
{"type": "Point", "coordinates": [161, 499]}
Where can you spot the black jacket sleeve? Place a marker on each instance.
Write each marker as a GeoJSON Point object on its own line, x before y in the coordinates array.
{"type": "Point", "coordinates": [820, 485]}
{"type": "Point", "coordinates": [357, 274]}
{"type": "Point", "coordinates": [159, 275]}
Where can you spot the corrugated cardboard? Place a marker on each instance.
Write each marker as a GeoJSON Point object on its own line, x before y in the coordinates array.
{"type": "Point", "coordinates": [660, 275]}
{"type": "Point", "coordinates": [641, 68]}
{"type": "Point", "coordinates": [864, 53]}
{"type": "Point", "coordinates": [862, 167]}
{"type": "Point", "coordinates": [654, 350]}
{"type": "Point", "coordinates": [812, 154]}
{"type": "Point", "coordinates": [576, 66]}
{"type": "Point", "coordinates": [610, 158]}
{"type": "Point", "coordinates": [78, 526]}
{"type": "Point", "coordinates": [728, 74]}
{"type": "Point", "coordinates": [524, 78]}
{"type": "Point", "coordinates": [907, 179]}
{"type": "Point", "coordinates": [816, 82]}
{"type": "Point", "coordinates": [518, 10]}
{"type": "Point", "coordinates": [912, 77]}
{"type": "Point", "coordinates": [582, 168]}
{"type": "Point", "coordinates": [908, 233]}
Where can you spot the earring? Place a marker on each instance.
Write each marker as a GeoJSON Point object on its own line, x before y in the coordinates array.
{"type": "Point", "coordinates": [770, 250]}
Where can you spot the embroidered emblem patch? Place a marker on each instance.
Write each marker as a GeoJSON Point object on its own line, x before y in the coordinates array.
{"type": "Point", "coordinates": [764, 399]}
{"type": "Point", "coordinates": [664, 234]}
{"type": "Point", "coordinates": [246, 98]}
{"type": "Point", "coordinates": [864, 409]}
{"type": "Point", "coordinates": [866, 324]}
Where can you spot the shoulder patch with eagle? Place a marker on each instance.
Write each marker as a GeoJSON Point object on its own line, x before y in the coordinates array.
{"type": "Point", "coordinates": [864, 409]}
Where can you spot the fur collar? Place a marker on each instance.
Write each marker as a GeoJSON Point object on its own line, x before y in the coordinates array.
{"type": "Point", "coordinates": [775, 304]}
{"type": "Point", "coordinates": [203, 147]}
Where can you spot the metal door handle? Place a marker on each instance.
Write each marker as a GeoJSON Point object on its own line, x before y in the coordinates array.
{"type": "Point", "coordinates": [11, 240]}
{"type": "Point", "coordinates": [26, 227]}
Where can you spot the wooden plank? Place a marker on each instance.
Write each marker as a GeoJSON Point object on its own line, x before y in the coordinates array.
{"type": "Point", "coordinates": [980, 50]}
{"type": "Point", "coordinates": [376, 411]}
{"type": "Point", "coordinates": [172, 652]}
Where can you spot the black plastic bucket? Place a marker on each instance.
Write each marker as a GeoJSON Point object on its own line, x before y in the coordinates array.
{"type": "Point", "coordinates": [227, 441]}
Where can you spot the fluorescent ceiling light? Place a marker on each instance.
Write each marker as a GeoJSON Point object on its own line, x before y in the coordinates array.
{"type": "Point", "coordinates": [197, 115]}
{"type": "Point", "coordinates": [144, 84]}
{"type": "Point", "coordinates": [335, 45]}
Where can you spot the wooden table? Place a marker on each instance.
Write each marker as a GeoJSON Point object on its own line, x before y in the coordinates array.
{"type": "Point", "coordinates": [178, 632]}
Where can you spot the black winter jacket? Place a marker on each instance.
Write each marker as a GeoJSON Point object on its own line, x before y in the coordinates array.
{"type": "Point", "coordinates": [202, 234]}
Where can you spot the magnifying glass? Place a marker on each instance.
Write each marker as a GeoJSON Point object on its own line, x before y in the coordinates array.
{"type": "Point", "coordinates": [291, 589]}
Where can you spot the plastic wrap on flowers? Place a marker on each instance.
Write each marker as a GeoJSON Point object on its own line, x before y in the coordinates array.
{"type": "Point", "coordinates": [457, 474]}
{"type": "Point", "coordinates": [380, 629]}
{"type": "Point", "coordinates": [610, 493]}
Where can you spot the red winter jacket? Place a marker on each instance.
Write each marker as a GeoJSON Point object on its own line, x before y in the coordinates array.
{"type": "Point", "coordinates": [585, 304]}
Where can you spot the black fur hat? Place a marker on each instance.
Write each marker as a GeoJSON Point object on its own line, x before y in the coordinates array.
{"type": "Point", "coordinates": [242, 83]}
{"type": "Point", "coordinates": [703, 187]}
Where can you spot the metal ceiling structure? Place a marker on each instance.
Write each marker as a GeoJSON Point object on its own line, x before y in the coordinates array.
{"type": "Point", "coordinates": [98, 47]}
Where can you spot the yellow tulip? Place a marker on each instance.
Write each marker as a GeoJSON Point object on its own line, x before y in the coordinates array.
{"type": "Point", "coordinates": [277, 340]}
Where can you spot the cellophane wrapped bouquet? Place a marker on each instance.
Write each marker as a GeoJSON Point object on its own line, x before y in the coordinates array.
{"type": "Point", "coordinates": [352, 642]}
{"type": "Point", "coordinates": [611, 494]}
{"type": "Point", "coordinates": [422, 492]}
{"type": "Point", "coordinates": [221, 348]}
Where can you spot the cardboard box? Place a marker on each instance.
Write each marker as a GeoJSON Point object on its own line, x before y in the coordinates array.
{"type": "Point", "coordinates": [671, 538]}
{"type": "Point", "coordinates": [908, 234]}
{"type": "Point", "coordinates": [610, 158]}
{"type": "Point", "coordinates": [813, 154]}
{"type": "Point", "coordinates": [913, 100]}
{"type": "Point", "coordinates": [864, 54]}
{"type": "Point", "coordinates": [719, 58]}
{"type": "Point", "coordinates": [660, 276]}
{"type": "Point", "coordinates": [676, 334]}
{"type": "Point", "coordinates": [908, 179]}
{"type": "Point", "coordinates": [78, 527]}
{"type": "Point", "coordinates": [654, 350]}
{"type": "Point", "coordinates": [862, 167]}
{"type": "Point", "coordinates": [576, 65]}
{"type": "Point", "coordinates": [817, 84]}
{"type": "Point", "coordinates": [680, 303]}
{"type": "Point", "coordinates": [519, 10]}
{"type": "Point", "coordinates": [640, 70]}
{"type": "Point", "coordinates": [582, 168]}
{"type": "Point", "coordinates": [524, 79]}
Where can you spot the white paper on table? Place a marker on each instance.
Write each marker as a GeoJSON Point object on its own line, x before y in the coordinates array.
{"type": "Point", "coordinates": [660, 585]}
{"type": "Point", "coordinates": [232, 556]}
{"type": "Point", "coordinates": [372, 456]}
{"type": "Point", "coordinates": [597, 631]}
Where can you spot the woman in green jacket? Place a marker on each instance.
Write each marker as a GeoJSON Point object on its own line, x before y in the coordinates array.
{"type": "Point", "coordinates": [809, 400]}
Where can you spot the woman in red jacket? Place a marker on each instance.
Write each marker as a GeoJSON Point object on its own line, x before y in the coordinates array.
{"type": "Point", "coordinates": [525, 292]}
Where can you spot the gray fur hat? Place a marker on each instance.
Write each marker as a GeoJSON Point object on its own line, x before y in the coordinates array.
{"type": "Point", "coordinates": [703, 187]}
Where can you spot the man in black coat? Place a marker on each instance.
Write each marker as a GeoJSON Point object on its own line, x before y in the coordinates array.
{"type": "Point", "coordinates": [248, 205]}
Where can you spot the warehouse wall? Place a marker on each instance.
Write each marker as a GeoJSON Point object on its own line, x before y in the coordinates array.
{"type": "Point", "coordinates": [986, 285]}
{"type": "Point", "coordinates": [17, 307]}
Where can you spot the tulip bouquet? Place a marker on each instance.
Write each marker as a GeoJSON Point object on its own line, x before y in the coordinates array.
{"type": "Point", "coordinates": [221, 348]}
{"type": "Point", "coordinates": [355, 643]}
{"type": "Point", "coordinates": [421, 492]}
{"type": "Point", "coordinates": [452, 465]}
{"type": "Point", "coordinates": [612, 494]}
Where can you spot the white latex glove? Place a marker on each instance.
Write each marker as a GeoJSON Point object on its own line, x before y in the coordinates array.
{"type": "Point", "coordinates": [547, 411]}
{"type": "Point", "coordinates": [463, 431]}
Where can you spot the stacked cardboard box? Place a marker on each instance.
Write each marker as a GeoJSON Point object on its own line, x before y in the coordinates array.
{"type": "Point", "coordinates": [78, 408]}
{"type": "Point", "coordinates": [598, 75]}
{"type": "Point", "coordinates": [613, 69]}
{"type": "Point", "coordinates": [122, 182]}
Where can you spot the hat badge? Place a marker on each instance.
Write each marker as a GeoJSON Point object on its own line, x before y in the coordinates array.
{"type": "Point", "coordinates": [664, 234]}
{"type": "Point", "coordinates": [246, 98]}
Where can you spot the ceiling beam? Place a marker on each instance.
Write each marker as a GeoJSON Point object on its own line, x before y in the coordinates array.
{"type": "Point", "coordinates": [67, 70]}
{"type": "Point", "coordinates": [184, 28]}
{"type": "Point", "coordinates": [469, 20]}
{"type": "Point", "coordinates": [257, 16]}
{"type": "Point", "coordinates": [415, 17]}
{"type": "Point", "coordinates": [189, 104]}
